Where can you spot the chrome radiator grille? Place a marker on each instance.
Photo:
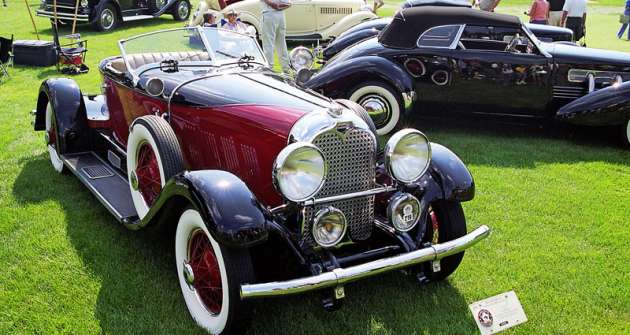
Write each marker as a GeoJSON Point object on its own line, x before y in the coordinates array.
{"type": "Point", "coordinates": [351, 168]}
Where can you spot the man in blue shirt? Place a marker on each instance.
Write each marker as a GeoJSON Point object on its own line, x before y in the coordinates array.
{"type": "Point", "coordinates": [625, 25]}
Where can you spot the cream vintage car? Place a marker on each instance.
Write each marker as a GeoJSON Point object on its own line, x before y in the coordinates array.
{"type": "Point", "coordinates": [310, 19]}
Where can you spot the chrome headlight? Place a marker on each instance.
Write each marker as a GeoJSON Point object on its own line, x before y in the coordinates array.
{"type": "Point", "coordinates": [301, 57]}
{"type": "Point", "coordinates": [404, 212]}
{"type": "Point", "coordinates": [329, 226]}
{"type": "Point", "coordinates": [407, 155]}
{"type": "Point", "coordinates": [299, 171]}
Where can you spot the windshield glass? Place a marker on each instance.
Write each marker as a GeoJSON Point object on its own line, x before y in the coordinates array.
{"type": "Point", "coordinates": [190, 47]}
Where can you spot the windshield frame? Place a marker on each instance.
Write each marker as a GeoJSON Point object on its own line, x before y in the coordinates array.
{"type": "Point", "coordinates": [214, 60]}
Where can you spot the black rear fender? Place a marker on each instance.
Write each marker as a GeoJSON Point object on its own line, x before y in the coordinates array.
{"type": "Point", "coordinates": [67, 102]}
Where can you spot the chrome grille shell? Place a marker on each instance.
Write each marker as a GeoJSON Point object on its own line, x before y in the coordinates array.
{"type": "Point", "coordinates": [349, 148]}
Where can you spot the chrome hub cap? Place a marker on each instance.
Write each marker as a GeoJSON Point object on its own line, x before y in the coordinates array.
{"type": "Point", "coordinates": [133, 179]}
{"type": "Point", "coordinates": [183, 9]}
{"type": "Point", "coordinates": [189, 276]}
{"type": "Point", "coordinates": [107, 18]}
{"type": "Point", "coordinates": [160, 3]}
{"type": "Point", "coordinates": [378, 109]}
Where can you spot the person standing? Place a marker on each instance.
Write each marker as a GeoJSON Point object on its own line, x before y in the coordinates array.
{"type": "Point", "coordinates": [574, 16]}
{"type": "Point", "coordinates": [274, 29]}
{"type": "Point", "coordinates": [625, 25]}
{"type": "Point", "coordinates": [378, 4]}
{"type": "Point", "coordinates": [555, 12]}
{"type": "Point", "coordinates": [487, 5]}
{"type": "Point", "coordinates": [539, 12]}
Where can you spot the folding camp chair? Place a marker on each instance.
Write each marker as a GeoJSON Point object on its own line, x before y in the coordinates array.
{"type": "Point", "coordinates": [6, 57]}
{"type": "Point", "coordinates": [71, 54]}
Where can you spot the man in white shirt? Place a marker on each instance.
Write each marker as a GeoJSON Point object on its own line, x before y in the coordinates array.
{"type": "Point", "coordinates": [574, 16]}
{"type": "Point", "coordinates": [274, 30]}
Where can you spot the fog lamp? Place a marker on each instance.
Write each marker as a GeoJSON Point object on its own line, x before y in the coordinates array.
{"type": "Point", "coordinates": [301, 57]}
{"type": "Point", "coordinates": [299, 171]}
{"type": "Point", "coordinates": [407, 155]}
{"type": "Point", "coordinates": [404, 212]}
{"type": "Point", "coordinates": [329, 227]}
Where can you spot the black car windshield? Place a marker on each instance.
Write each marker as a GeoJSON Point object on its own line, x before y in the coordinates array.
{"type": "Point", "coordinates": [189, 47]}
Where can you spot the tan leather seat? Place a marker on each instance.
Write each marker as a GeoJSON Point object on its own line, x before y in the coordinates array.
{"type": "Point", "coordinates": [138, 60]}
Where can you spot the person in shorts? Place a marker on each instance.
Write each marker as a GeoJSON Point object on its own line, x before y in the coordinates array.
{"type": "Point", "coordinates": [378, 4]}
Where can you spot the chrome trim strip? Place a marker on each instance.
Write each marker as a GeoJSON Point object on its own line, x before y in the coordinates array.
{"type": "Point", "coordinates": [383, 189]}
{"type": "Point", "coordinates": [69, 16]}
{"type": "Point", "coordinates": [341, 276]}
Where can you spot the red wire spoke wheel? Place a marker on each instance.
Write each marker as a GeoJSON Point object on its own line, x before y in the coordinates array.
{"type": "Point", "coordinates": [206, 270]}
{"type": "Point", "coordinates": [210, 277]}
{"type": "Point", "coordinates": [153, 157]}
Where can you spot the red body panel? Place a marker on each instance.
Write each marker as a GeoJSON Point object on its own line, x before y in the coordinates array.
{"type": "Point", "coordinates": [241, 139]}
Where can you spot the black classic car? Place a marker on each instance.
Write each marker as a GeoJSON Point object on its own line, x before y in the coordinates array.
{"type": "Point", "coordinates": [268, 189]}
{"type": "Point", "coordinates": [370, 28]}
{"type": "Point", "coordinates": [465, 62]}
{"type": "Point", "coordinates": [105, 14]}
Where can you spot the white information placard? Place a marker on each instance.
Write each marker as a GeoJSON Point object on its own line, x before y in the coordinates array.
{"type": "Point", "coordinates": [498, 313]}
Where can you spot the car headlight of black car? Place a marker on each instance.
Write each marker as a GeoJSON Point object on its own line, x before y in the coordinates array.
{"type": "Point", "coordinates": [407, 155]}
{"type": "Point", "coordinates": [299, 171]}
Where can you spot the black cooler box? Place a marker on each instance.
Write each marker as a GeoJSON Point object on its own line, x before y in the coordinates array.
{"type": "Point", "coordinates": [33, 52]}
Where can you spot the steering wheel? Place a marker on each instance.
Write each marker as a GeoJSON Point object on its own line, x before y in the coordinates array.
{"type": "Point", "coordinates": [511, 47]}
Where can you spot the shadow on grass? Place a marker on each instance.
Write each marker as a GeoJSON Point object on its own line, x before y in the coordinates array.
{"type": "Point", "coordinates": [518, 146]}
{"type": "Point", "coordinates": [139, 292]}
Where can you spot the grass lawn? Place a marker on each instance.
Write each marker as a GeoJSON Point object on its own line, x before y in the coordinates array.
{"type": "Point", "coordinates": [556, 201]}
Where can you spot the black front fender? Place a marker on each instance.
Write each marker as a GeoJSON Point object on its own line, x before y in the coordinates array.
{"type": "Point", "coordinates": [451, 173]}
{"type": "Point", "coordinates": [232, 213]}
{"type": "Point", "coordinates": [336, 79]}
{"type": "Point", "coordinates": [606, 107]}
{"type": "Point", "coordinates": [67, 101]}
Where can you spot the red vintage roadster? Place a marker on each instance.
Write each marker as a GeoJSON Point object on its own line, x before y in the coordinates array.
{"type": "Point", "coordinates": [270, 189]}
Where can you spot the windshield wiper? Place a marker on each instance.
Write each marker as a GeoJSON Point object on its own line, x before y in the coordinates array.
{"type": "Point", "coordinates": [226, 54]}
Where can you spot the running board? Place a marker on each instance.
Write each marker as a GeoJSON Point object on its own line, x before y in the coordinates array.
{"type": "Point", "coordinates": [136, 17]}
{"type": "Point", "coordinates": [108, 185]}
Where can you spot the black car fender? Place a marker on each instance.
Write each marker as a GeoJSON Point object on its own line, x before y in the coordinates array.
{"type": "Point", "coordinates": [231, 212]}
{"type": "Point", "coordinates": [336, 80]}
{"type": "Point", "coordinates": [345, 41]}
{"type": "Point", "coordinates": [67, 102]}
{"type": "Point", "coordinates": [454, 178]}
{"type": "Point", "coordinates": [606, 107]}
{"type": "Point", "coordinates": [97, 9]}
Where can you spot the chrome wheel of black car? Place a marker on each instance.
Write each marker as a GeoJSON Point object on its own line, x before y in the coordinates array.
{"type": "Point", "coordinates": [445, 222]}
{"type": "Point", "coordinates": [153, 157]}
{"type": "Point", "coordinates": [51, 139]}
{"type": "Point", "coordinates": [210, 277]}
{"type": "Point", "coordinates": [380, 102]}
{"type": "Point", "coordinates": [107, 18]}
{"type": "Point", "coordinates": [156, 5]}
{"type": "Point", "coordinates": [181, 10]}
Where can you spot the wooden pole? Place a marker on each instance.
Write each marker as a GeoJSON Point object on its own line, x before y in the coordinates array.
{"type": "Point", "coordinates": [31, 15]}
{"type": "Point", "coordinates": [76, 9]}
{"type": "Point", "coordinates": [55, 12]}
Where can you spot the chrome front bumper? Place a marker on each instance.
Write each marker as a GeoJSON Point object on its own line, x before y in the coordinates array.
{"type": "Point", "coordinates": [341, 276]}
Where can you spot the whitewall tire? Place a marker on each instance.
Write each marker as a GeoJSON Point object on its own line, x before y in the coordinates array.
{"type": "Point", "coordinates": [51, 140]}
{"type": "Point", "coordinates": [153, 157]}
{"type": "Point", "coordinates": [210, 277]}
{"type": "Point", "coordinates": [380, 102]}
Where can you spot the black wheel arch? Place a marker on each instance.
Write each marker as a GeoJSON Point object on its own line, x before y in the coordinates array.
{"type": "Point", "coordinates": [94, 14]}
{"type": "Point", "coordinates": [70, 112]}
{"type": "Point", "coordinates": [338, 79]}
{"type": "Point", "coordinates": [231, 212]}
